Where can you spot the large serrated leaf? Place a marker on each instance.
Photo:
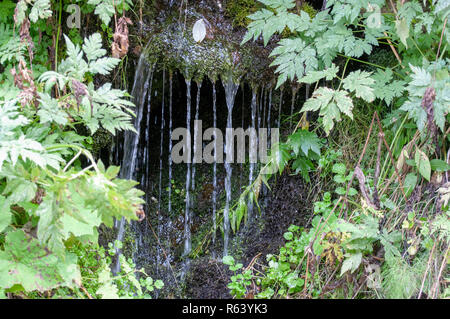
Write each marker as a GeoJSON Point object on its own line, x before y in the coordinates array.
{"type": "Point", "coordinates": [24, 262]}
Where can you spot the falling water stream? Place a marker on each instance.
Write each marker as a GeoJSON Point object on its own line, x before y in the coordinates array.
{"type": "Point", "coordinates": [279, 108]}
{"type": "Point", "coordinates": [160, 214]}
{"type": "Point", "coordinates": [139, 92]}
{"type": "Point", "coordinates": [169, 208]}
{"type": "Point", "coordinates": [269, 124]}
{"type": "Point", "coordinates": [230, 94]}
{"type": "Point", "coordinates": [214, 194]}
{"type": "Point", "coordinates": [252, 163]}
{"type": "Point", "coordinates": [197, 136]}
{"type": "Point", "coordinates": [187, 215]}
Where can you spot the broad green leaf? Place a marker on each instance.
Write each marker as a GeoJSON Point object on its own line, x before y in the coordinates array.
{"type": "Point", "coordinates": [409, 183]}
{"type": "Point", "coordinates": [5, 214]}
{"type": "Point", "coordinates": [24, 262]}
{"type": "Point", "coordinates": [351, 263]}
{"type": "Point", "coordinates": [361, 83]}
{"type": "Point", "coordinates": [439, 165]}
{"type": "Point", "coordinates": [304, 140]}
{"type": "Point", "coordinates": [228, 260]}
{"type": "Point", "coordinates": [423, 164]}
{"type": "Point", "coordinates": [339, 168]}
{"type": "Point", "coordinates": [402, 29]}
{"type": "Point", "coordinates": [159, 284]}
{"type": "Point", "coordinates": [344, 102]}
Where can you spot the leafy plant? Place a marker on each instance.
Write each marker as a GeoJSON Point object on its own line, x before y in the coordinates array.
{"type": "Point", "coordinates": [51, 202]}
{"type": "Point", "coordinates": [103, 106]}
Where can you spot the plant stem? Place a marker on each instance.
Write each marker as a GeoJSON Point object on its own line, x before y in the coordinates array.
{"type": "Point", "coordinates": [58, 34]}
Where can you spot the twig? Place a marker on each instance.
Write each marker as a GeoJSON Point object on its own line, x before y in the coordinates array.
{"type": "Point", "coordinates": [359, 162]}
{"type": "Point", "coordinates": [426, 271]}
{"type": "Point", "coordinates": [393, 50]}
{"type": "Point", "coordinates": [85, 291]}
{"type": "Point", "coordinates": [376, 198]}
{"type": "Point", "coordinates": [252, 262]}
{"type": "Point", "coordinates": [306, 273]}
{"type": "Point", "coordinates": [444, 262]}
{"type": "Point", "coordinates": [391, 156]}
{"type": "Point", "coordinates": [442, 35]}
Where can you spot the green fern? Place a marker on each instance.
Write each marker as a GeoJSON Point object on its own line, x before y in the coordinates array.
{"type": "Point", "coordinates": [434, 75]}
{"type": "Point", "coordinates": [331, 104]}
{"type": "Point", "coordinates": [104, 106]}
{"type": "Point", "coordinates": [105, 9]}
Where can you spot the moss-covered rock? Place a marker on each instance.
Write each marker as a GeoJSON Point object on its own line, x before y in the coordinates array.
{"type": "Point", "coordinates": [220, 54]}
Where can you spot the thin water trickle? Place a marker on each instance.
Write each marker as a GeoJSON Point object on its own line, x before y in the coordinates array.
{"type": "Point", "coordinates": [252, 165]}
{"type": "Point", "coordinates": [279, 108]}
{"type": "Point", "coordinates": [160, 215]}
{"type": "Point", "coordinates": [131, 139]}
{"type": "Point", "coordinates": [170, 145]}
{"type": "Point", "coordinates": [230, 94]}
{"type": "Point", "coordinates": [269, 124]}
{"type": "Point", "coordinates": [187, 215]}
{"type": "Point", "coordinates": [260, 106]}
{"type": "Point", "coordinates": [214, 194]}
{"type": "Point", "coordinates": [241, 169]}
{"type": "Point", "coordinates": [197, 135]}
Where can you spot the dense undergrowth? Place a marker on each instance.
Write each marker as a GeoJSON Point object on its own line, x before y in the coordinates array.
{"type": "Point", "coordinates": [379, 148]}
{"type": "Point", "coordinates": [54, 194]}
{"type": "Point", "coordinates": [382, 228]}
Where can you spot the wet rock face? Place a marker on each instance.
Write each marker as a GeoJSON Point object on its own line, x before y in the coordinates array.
{"type": "Point", "coordinates": [287, 204]}
{"type": "Point", "coordinates": [171, 43]}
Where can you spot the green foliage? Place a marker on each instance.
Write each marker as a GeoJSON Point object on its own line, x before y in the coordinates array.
{"type": "Point", "coordinates": [239, 282]}
{"type": "Point", "coordinates": [50, 205]}
{"type": "Point", "coordinates": [307, 56]}
{"type": "Point", "coordinates": [104, 106]}
{"type": "Point", "coordinates": [299, 151]}
{"type": "Point", "coordinates": [436, 75]}
{"type": "Point", "coordinates": [385, 88]}
{"type": "Point", "coordinates": [30, 267]}
{"type": "Point", "coordinates": [294, 59]}
{"type": "Point", "coordinates": [106, 9]}
{"type": "Point", "coordinates": [239, 10]}
{"type": "Point", "coordinates": [400, 279]}
{"type": "Point", "coordinates": [330, 103]}
{"type": "Point", "coordinates": [40, 9]}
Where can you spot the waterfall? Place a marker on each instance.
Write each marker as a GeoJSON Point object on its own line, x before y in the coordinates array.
{"type": "Point", "coordinates": [214, 194]}
{"type": "Point", "coordinates": [131, 139]}
{"type": "Point", "coordinates": [187, 215]}
{"type": "Point", "coordinates": [196, 133]}
{"type": "Point", "coordinates": [170, 144]}
{"type": "Point", "coordinates": [230, 94]}
{"type": "Point", "coordinates": [252, 165]}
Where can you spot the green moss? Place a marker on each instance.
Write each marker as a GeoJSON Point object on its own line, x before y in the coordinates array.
{"type": "Point", "coordinates": [305, 7]}
{"type": "Point", "coordinates": [170, 43]}
{"type": "Point", "coordinates": [239, 10]}
{"type": "Point", "coordinates": [309, 9]}
{"type": "Point", "coordinates": [102, 138]}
